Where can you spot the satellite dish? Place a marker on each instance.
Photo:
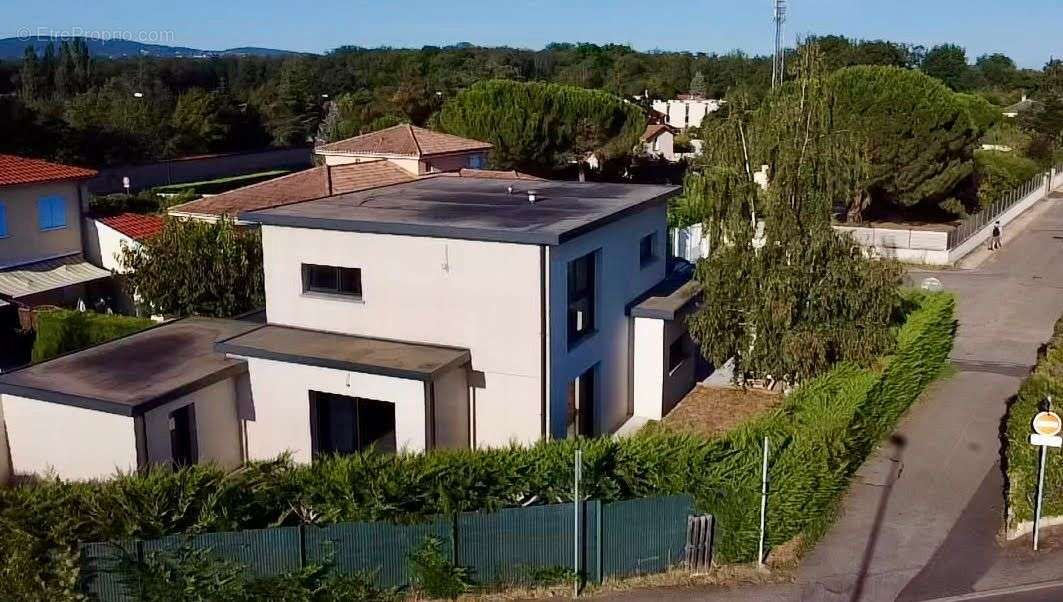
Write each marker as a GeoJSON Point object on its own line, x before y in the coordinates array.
{"type": "Point", "coordinates": [932, 284]}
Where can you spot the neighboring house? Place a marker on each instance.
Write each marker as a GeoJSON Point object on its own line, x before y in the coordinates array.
{"type": "Point", "coordinates": [417, 150]}
{"type": "Point", "coordinates": [394, 155]}
{"type": "Point", "coordinates": [104, 239]}
{"type": "Point", "coordinates": [41, 208]}
{"type": "Point", "coordinates": [443, 312]}
{"type": "Point", "coordinates": [658, 140]}
{"type": "Point", "coordinates": [1020, 107]}
{"type": "Point", "coordinates": [686, 111]}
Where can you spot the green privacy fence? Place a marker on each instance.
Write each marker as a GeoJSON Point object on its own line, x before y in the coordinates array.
{"type": "Point", "coordinates": [509, 546]}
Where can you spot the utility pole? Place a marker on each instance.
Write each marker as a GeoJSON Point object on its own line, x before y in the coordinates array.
{"type": "Point", "coordinates": [778, 65]}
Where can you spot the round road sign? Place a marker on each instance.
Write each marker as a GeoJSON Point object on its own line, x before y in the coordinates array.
{"type": "Point", "coordinates": [1047, 424]}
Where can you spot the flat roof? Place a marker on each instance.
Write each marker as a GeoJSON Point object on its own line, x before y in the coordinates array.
{"type": "Point", "coordinates": [669, 297]}
{"type": "Point", "coordinates": [472, 209]}
{"type": "Point", "coordinates": [134, 374]}
{"type": "Point", "coordinates": [398, 359]}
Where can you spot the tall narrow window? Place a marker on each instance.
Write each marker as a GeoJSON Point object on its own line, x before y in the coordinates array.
{"type": "Point", "coordinates": [648, 249]}
{"type": "Point", "coordinates": [184, 450]}
{"type": "Point", "coordinates": [346, 425]}
{"type": "Point", "coordinates": [3, 220]}
{"type": "Point", "coordinates": [581, 297]}
{"type": "Point", "coordinates": [51, 212]}
{"type": "Point", "coordinates": [332, 280]}
{"type": "Point", "coordinates": [580, 419]}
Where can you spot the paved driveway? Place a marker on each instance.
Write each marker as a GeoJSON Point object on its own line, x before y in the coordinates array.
{"type": "Point", "coordinates": [920, 523]}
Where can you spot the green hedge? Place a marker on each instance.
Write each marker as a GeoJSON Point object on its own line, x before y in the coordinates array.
{"type": "Point", "coordinates": [820, 436]}
{"type": "Point", "coordinates": [1021, 458]}
{"type": "Point", "coordinates": [62, 331]}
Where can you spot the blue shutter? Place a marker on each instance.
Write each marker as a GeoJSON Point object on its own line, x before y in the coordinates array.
{"type": "Point", "coordinates": [44, 214]}
{"type": "Point", "coordinates": [51, 213]}
{"type": "Point", "coordinates": [58, 212]}
{"type": "Point", "coordinates": [3, 220]}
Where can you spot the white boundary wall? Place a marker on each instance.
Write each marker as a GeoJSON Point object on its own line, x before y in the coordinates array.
{"type": "Point", "coordinates": [928, 247]}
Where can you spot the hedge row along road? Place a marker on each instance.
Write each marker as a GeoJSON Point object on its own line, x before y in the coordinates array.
{"type": "Point", "coordinates": [932, 533]}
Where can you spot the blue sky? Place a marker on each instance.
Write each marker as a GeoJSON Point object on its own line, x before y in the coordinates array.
{"type": "Point", "coordinates": [1030, 31]}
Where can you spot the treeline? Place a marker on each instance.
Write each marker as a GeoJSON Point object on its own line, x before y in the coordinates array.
{"type": "Point", "coordinates": [66, 105]}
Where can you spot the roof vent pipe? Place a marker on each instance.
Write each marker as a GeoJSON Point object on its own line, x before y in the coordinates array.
{"type": "Point", "coordinates": [531, 196]}
{"type": "Point", "coordinates": [509, 189]}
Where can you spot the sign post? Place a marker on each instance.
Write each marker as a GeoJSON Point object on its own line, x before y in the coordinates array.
{"type": "Point", "coordinates": [763, 505]}
{"type": "Point", "coordinates": [576, 532]}
{"type": "Point", "coordinates": [1046, 427]}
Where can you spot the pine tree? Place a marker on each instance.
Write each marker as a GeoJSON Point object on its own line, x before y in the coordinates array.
{"type": "Point", "coordinates": [30, 75]}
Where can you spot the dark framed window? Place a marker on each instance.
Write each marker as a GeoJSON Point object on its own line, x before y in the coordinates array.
{"type": "Point", "coordinates": [582, 283]}
{"type": "Point", "coordinates": [648, 249]}
{"type": "Point", "coordinates": [332, 280]}
{"type": "Point", "coordinates": [678, 352]}
{"type": "Point", "coordinates": [345, 425]}
{"type": "Point", "coordinates": [580, 414]}
{"type": "Point", "coordinates": [184, 449]}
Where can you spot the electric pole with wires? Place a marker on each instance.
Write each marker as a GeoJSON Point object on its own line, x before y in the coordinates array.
{"type": "Point", "coordinates": [778, 65]}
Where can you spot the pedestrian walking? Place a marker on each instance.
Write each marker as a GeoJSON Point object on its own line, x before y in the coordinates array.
{"type": "Point", "coordinates": [994, 242]}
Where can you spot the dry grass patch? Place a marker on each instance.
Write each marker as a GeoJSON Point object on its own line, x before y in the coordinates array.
{"type": "Point", "coordinates": [711, 412]}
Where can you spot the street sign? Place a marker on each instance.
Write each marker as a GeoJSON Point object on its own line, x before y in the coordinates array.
{"type": "Point", "coordinates": [1047, 424]}
{"type": "Point", "coordinates": [1046, 427]}
{"type": "Point", "coordinates": [1046, 440]}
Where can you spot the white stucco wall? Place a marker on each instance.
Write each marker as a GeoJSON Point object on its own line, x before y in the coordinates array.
{"type": "Point", "coordinates": [25, 242]}
{"type": "Point", "coordinates": [75, 443]}
{"type": "Point", "coordinates": [620, 280]}
{"type": "Point", "coordinates": [217, 426]}
{"type": "Point", "coordinates": [5, 455]}
{"type": "Point", "coordinates": [281, 419]}
{"type": "Point", "coordinates": [686, 113]}
{"type": "Point", "coordinates": [483, 296]}
{"type": "Point", "coordinates": [103, 244]}
{"type": "Point", "coordinates": [648, 366]}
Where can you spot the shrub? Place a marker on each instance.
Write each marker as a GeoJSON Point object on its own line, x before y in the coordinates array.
{"type": "Point", "coordinates": [1020, 458]}
{"type": "Point", "coordinates": [63, 331]}
{"type": "Point", "coordinates": [434, 574]}
{"type": "Point", "coordinates": [1001, 172]}
{"type": "Point", "coordinates": [820, 435]}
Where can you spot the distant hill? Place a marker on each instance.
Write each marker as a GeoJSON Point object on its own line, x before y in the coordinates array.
{"type": "Point", "coordinates": [13, 48]}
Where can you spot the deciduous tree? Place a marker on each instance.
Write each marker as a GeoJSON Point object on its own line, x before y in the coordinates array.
{"type": "Point", "coordinates": [197, 268]}
{"type": "Point", "coordinates": [787, 297]}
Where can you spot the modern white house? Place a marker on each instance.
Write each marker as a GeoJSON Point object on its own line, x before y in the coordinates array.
{"type": "Point", "coordinates": [441, 312]}
{"type": "Point", "coordinates": [686, 111]}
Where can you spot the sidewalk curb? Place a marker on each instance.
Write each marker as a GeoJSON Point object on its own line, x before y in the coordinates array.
{"type": "Point", "coordinates": [996, 593]}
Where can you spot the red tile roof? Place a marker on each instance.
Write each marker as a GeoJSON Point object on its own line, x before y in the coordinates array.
{"type": "Point", "coordinates": [300, 186]}
{"type": "Point", "coordinates": [404, 141]}
{"type": "Point", "coordinates": [655, 129]}
{"type": "Point", "coordinates": [20, 170]}
{"type": "Point", "coordinates": [135, 225]}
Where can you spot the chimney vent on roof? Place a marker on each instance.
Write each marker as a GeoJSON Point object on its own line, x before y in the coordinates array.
{"type": "Point", "coordinates": [531, 196]}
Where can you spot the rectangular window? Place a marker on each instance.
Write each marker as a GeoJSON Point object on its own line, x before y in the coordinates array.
{"type": "Point", "coordinates": [184, 450]}
{"type": "Point", "coordinates": [580, 418]}
{"type": "Point", "coordinates": [332, 280]}
{"type": "Point", "coordinates": [3, 220]}
{"type": "Point", "coordinates": [648, 249]}
{"type": "Point", "coordinates": [476, 161]}
{"type": "Point", "coordinates": [581, 297]}
{"type": "Point", "coordinates": [51, 213]}
{"type": "Point", "coordinates": [347, 425]}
